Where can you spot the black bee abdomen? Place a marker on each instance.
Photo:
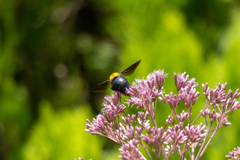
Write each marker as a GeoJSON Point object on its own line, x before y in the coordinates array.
{"type": "Point", "coordinates": [120, 84]}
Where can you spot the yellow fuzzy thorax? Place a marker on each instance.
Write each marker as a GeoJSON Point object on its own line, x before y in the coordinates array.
{"type": "Point", "coordinates": [114, 75]}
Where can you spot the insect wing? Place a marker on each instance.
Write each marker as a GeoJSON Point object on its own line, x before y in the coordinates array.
{"type": "Point", "coordinates": [130, 69]}
{"type": "Point", "coordinates": [100, 87]}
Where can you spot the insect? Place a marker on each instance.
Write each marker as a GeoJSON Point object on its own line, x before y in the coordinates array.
{"type": "Point", "coordinates": [117, 80]}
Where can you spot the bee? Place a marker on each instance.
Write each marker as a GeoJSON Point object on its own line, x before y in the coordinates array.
{"type": "Point", "coordinates": [117, 80]}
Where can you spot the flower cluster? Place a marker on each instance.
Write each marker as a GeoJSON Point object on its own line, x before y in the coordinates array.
{"type": "Point", "coordinates": [176, 136]}
{"type": "Point", "coordinates": [195, 134]}
{"type": "Point", "coordinates": [130, 150]}
{"type": "Point", "coordinates": [234, 155]}
{"type": "Point", "coordinates": [180, 134]}
{"type": "Point", "coordinates": [186, 91]}
{"type": "Point", "coordinates": [104, 123]}
{"type": "Point", "coordinates": [143, 92]}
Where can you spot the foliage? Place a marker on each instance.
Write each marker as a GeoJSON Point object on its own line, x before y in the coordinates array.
{"type": "Point", "coordinates": [57, 50]}
{"type": "Point", "coordinates": [59, 135]}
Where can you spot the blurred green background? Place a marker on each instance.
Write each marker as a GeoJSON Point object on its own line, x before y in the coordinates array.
{"type": "Point", "coordinates": [53, 52]}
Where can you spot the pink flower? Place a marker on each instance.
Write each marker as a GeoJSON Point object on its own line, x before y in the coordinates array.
{"type": "Point", "coordinates": [130, 151]}
{"type": "Point", "coordinates": [143, 92]}
{"type": "Point", "coordinates": [234, 155]}
{"type": "Point", "coordinates": [177, 136]}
